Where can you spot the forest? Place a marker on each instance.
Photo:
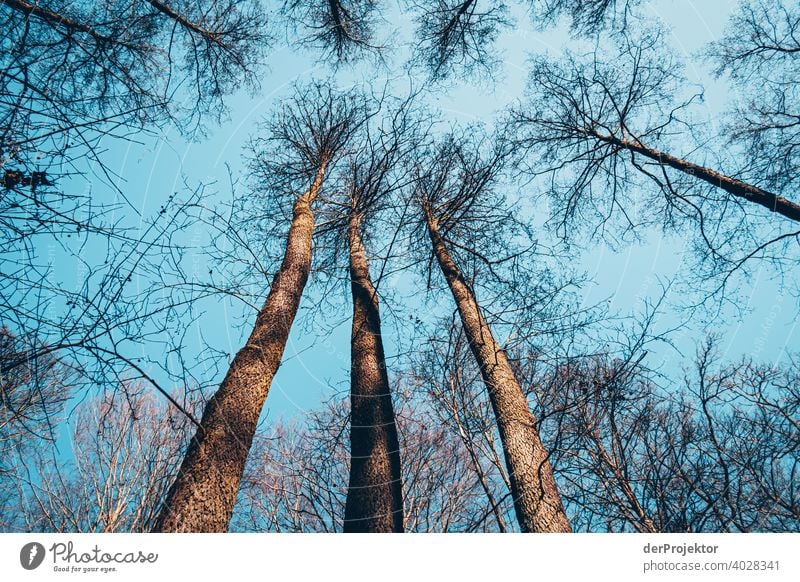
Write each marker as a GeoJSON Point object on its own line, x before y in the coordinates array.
{"type": "Point", "coordinates": [407, 266]}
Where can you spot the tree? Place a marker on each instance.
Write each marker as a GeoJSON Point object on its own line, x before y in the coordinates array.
{"type": "Point", "coordinates": [374, 492]}
{"type": "Point", "coordinates": [759, 54]}
{"type": "Point", "coordinates": [343, 29]}
{"type": "Point", "coordinates": [446, 369]}
{"type": "Point", "coordinates": [365, 189]}
{"type": "Point", "coordinates": [305, 140]}
{"type": "Point", "coordinates": [296, 475]}
{"type": "Point", "coordinates": [593, 405]}
{"type": "Point", "coordinates": [636, 451]}
{"type": "Point", "coordinates": [126, 445]}
{"type": "Point", "coordinates": [32, 394]}
{"type": "Point", "coordinates": [442, 491]}
{"type": "Point", "coordinates": [456, 37]}
{"type": "Point", "coordinates": [600, 131]}
{"type": "Point", "coordinates": [453, 191]}
{"type": "Point", "coordinates": [91, 321]}
{"type": "Point", "coordinates": [73, 73]}
{"type": "Point", "coordinates": [587, 16]}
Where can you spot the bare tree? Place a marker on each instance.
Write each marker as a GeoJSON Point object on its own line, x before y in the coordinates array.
{"type": "Point", "coordinates": [448, 372]}
{"type": "Point", "coordinates": [600, 131]}
{"type": "Point", "coordinates": [94, 321]}
{"type": "Point", "coordinates": [72, 73]}
{"type": "Point", "coordinates": [454, 192]}
{"type": "Point", "coordinates": [637, 451]}
{"type": "Point", "coordinates": [125, 450]}
{"type": "Point", "coordinates": [32, 395]}
{"type": "Point", "coordinates": [542, 338]}
{"type": "Point", "coordinates": [343, 29]}
{"type": "Point", "coordinates": [760, 54]}
{"type": "Point", "coordinates": [586, 16]}
{"type": "Point", "coordinates": [457, 37]}
{"type": "Point", "coordinates": [304, 141]}
{"type": "Point", "coordinates": [296, 477]}
{"type": "Point", "coordinates": [364, 190]}
{"type": "Point", "coordinates": [442, 491]}
{"type": "Point", "coordinates": [593, 405]}
{"type": "Point", "coordinates": [375, 492]}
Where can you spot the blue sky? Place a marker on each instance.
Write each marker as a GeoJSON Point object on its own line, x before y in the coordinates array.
{"type": "Point", "coordinates": [627, 277]}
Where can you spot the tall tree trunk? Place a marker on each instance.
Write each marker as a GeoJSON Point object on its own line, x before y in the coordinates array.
{"type": "Point", "coordinates": [537, 502]}
{"type": "Point", "coordinates": [375, 492]}
{"type": "Point", "coordinates": [773, 202]}
{"type": "Point", "coordinates": [204, 493]}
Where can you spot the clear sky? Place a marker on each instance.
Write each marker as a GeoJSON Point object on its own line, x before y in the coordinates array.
{"type": "Point", "coordinates": [627, 276]}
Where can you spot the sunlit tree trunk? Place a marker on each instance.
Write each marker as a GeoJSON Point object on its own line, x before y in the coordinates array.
{"type": "Point", "coordinates": [374, 494]}
{"type": "Point", "coordinates": [537, 502]}
{"type": "Point", "coordinates": [204, 493]}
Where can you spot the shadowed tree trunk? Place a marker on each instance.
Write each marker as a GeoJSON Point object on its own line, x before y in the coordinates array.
{"type": "Point", "coordinates": [773, 202]}
{"type": "Point", "coordinates": [537, 502]}
{"type": "Point", "coordinates": [204, 493]}
{"type": "Point", "coordinates": [375, 493]}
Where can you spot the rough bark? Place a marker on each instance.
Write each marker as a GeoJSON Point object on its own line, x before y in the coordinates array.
{"type": "Point", "coordinates": [204, 493]}
{"type": "Point", "coordinates": [773, 202]}
{"type": "Point", "coordinates": [375, 493]}
{"type": "Point", "coordinates": [537, 502]}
